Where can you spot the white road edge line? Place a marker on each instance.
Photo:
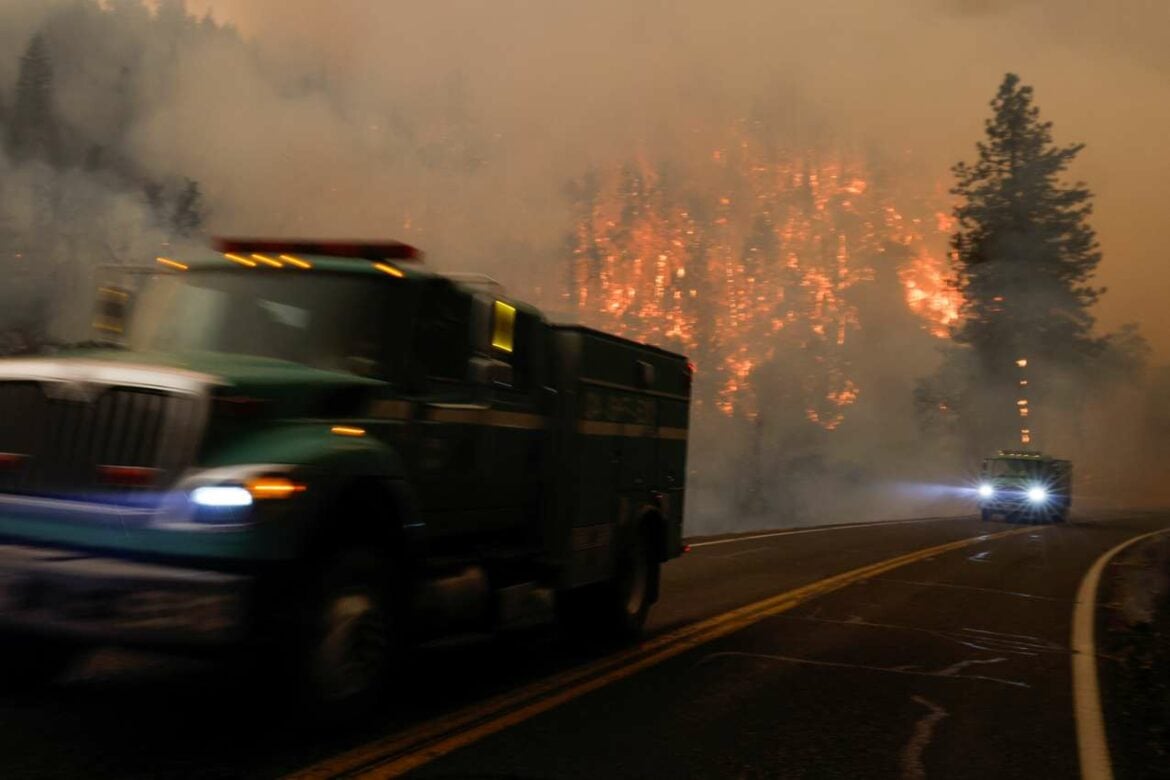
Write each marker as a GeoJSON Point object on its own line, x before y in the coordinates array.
{"type": "Point", "coordinates": [1092, 746]}
{"type": "Point", "coordinates": [822, 528]}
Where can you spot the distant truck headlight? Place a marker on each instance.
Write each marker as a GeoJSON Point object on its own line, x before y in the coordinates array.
{"type": "Point", "coordinates": [1037, 494]}
{"type": "Point", "coordinates": [986, 491]}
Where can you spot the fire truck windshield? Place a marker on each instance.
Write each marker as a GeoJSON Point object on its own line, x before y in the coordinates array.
{"type": "Point", "coordinates": [321, 320]}
{"type": "Point", "coordinates": [1011, 467]}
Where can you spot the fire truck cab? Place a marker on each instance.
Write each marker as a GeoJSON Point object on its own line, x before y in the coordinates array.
{"type": "Point", "coordinates": [1022, 484]}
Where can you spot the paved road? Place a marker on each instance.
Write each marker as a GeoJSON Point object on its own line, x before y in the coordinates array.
{"type": "Point", "coordinates": [929, 648]}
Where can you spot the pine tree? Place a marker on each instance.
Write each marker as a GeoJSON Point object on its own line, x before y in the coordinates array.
{"type": "Point", "coordinates": [1025, 256]}
{"type": "Point", "coordinates": [33, 131]}
{"type": "Point", "coordinates": [1024, 250]}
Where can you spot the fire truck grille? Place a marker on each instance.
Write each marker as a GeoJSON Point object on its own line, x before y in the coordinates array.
{"type": "Point", "coordinates": [108, 441]}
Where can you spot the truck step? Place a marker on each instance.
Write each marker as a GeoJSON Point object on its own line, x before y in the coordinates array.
{"type": "Point", "coordinates": [525, 605]}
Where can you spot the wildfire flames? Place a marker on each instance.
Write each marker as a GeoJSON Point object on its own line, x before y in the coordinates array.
{"type": "Point", "coordinates": [759, 275]}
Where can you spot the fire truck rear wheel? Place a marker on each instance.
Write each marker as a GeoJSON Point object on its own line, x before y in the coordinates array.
{"type": "Point", "coordinates": [616, 610]}
{"type": "Point", "coordinates": [632, 587]}
{"type": "Point", "coordinates": [27, 663]}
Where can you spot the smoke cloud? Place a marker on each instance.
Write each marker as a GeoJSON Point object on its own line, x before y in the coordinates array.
{"type": "Point", "coordinates": [457, 125]}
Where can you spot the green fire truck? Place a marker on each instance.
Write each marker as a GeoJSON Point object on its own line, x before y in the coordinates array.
{"type": "Point", "coordinates": [320, 454]}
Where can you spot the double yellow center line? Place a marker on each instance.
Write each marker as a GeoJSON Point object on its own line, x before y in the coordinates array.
{"type": "Point", "coordinates": [397, 754]}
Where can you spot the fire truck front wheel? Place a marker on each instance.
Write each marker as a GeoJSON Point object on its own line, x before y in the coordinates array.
{"type": "Point", "coordinates": [348, 645]}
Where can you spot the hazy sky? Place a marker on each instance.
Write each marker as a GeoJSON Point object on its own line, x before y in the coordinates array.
{"type": "Point", "coordinates": [567, 83]}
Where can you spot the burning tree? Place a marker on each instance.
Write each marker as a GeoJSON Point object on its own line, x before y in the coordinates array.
{"type": "Point", "coordinates": [750, 257]}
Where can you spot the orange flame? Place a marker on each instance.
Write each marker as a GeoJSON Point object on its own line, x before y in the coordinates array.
{"type": "Point", "coordinates": [762, 261]}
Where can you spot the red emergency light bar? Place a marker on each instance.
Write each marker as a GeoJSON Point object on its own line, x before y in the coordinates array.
{"type": "Point", "coordinates": [365, 250]}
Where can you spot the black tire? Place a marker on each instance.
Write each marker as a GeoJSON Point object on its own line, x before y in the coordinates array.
{"type": "Point", "coordinates": [348, 647]}
{"type": "Point", "coordinates": [30, 662]}
{"type": "Point", "coordinates": [616, 610]}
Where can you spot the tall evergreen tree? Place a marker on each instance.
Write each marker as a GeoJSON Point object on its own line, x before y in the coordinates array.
{"type": "Point", "coordinates": [33, 130]}
{"type": "Point", "coordinates": [1025, 256]}
{"type": "Point", "coordinates": [1025, 252]}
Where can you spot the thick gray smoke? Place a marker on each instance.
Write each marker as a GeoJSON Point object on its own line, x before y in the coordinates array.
{"type": "Point", "coordinates": [457, 125]}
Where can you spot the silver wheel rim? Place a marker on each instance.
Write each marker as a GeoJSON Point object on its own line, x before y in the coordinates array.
{"type": "Point", "coordinates": [636, 594]}
{"type": "Point", "coordinates": [352, 651]}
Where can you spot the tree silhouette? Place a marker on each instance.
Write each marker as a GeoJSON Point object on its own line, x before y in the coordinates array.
{"type": "Point", "coordinates": [1025, 252]}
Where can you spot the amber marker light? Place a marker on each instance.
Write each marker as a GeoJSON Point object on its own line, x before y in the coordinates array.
{"type": "Point", "coordinates": [386, 268]}
{"type": "Point", "coordinates": [268, 261]}
{"type": "Point", "coordinates": [304, 265]}
{"type": "Point", "coordinates": [169, 263]}
{"type": "Point", "coordinates": [273, 487]}
{"type": "Point", "coordinates": [241, 260]}
{"type": "Point", "coordinates": [347, 430]}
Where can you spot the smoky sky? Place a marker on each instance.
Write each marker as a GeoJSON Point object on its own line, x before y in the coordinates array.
{"type": "Point", "coordinates": [543, 89]}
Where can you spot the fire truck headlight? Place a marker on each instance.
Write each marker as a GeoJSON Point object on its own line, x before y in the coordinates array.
{"type": "Point", "coordinates": [1037, 494]}
{"type": "Point", "coordinates": [221, 496]}
{"type": "Point", "coordinates": [986, 491]}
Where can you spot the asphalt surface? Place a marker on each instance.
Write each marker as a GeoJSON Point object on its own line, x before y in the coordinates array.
{"type": "Point", "coordinates": [956, 665]}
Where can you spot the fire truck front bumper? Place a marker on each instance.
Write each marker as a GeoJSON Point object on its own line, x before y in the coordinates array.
{"type": "Point", "coordinates": [105, 600]}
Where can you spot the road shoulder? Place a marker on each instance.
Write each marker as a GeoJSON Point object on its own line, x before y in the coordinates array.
{"type": "Point", "coordinates": [1133, 623]}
